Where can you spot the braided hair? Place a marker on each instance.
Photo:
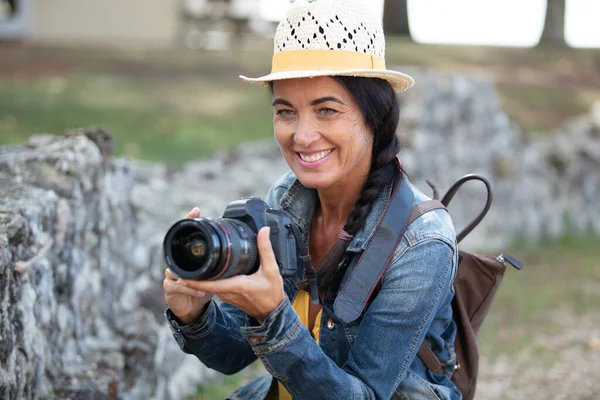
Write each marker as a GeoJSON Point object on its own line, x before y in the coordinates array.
{"type": "Point", "coordinates": [379, 106]}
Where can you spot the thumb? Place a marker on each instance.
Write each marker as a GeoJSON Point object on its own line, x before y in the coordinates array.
{"type": "Point", "coordinates": [267, 258]}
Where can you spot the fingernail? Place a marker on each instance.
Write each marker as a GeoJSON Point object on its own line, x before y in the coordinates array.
{"type": "Point", "coordinates": [181, 282]}
{"type": "Point", "coordinates": [200, 292]}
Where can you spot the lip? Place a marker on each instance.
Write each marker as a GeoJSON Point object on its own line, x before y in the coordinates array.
{"type": "Point", "coordinates": [315, 164]}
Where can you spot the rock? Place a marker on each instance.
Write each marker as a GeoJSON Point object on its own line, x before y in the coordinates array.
{"type": "Point", "coordinates": [66, 230]}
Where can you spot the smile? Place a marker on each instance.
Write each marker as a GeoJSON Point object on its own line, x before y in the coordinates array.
{"type": "Point", "coordinates": [314, 157]}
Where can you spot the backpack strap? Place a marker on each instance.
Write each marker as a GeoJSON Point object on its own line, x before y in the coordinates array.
{"type": "Point", "coordinates": [427, 355]}
{"type": "Point", "coordinates": [430, 360]}
{"type": "Point", "coordinates": [397, 216]}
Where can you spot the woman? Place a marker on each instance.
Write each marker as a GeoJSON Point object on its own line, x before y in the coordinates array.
{"type": "Point", "coordinates": [335, 118]}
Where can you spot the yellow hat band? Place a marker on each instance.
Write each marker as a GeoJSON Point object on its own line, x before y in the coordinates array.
{"type": "Point", "coordinates": [327, 60]}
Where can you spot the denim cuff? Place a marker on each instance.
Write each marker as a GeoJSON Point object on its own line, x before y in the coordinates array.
{"type": "Point", "coordinates": [277, 330]}
{"type": "Point", "coordinates": [194, 330]}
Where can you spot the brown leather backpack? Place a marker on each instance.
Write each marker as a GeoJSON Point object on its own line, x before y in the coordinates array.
{"type": "Point", "coordinates": [477, 280]}
{"type": "Point", "coordinates": [476, 283]}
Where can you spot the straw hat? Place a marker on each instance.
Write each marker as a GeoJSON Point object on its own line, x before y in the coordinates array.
{"type": "Point", "coordinates": [329, 38]}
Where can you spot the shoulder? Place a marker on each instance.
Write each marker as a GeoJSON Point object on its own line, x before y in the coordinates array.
{"type": "Point", "coordinates": [427, 253]}
{"type": "Point", "coordinates": [428, 244]}
{"type": "Point", "coordinates": [434, 224]}
{"type": "Point", "coordinates": [279, 188]}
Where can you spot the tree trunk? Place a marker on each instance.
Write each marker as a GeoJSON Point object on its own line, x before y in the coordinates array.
{"type": "Point", "coordinates": [395, 17]}
{"type": "Point", "coordinates": [554, 26]}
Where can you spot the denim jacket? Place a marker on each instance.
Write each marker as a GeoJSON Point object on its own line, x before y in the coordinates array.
{"type": "Point", "coordinates": [374, 357]}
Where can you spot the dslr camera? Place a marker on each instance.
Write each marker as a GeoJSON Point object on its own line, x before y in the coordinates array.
{"type": "Point", "coordinates": [208, 249]}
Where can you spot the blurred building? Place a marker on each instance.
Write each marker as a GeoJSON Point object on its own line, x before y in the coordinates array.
{"type": "Point", "coordinates": [152, 22]}
{"type": "Point", "coordinates": [92, 21]}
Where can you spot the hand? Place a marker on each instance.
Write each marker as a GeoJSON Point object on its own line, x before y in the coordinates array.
{"type": "Point", "coordinates": [186, 303]}
{"type": "Point", "coordinates": [257, 294]}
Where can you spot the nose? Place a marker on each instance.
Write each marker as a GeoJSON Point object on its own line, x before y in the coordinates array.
{"type": "Point", "coordinates": [305, 134]}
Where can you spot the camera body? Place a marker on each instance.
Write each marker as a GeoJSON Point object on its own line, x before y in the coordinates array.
{"type": "Point", "coordinates": [204, 248]}
{"type": "Point", "coordinates": [256, 214]}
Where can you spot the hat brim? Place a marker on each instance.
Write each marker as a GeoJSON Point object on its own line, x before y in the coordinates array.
{"type": "Point", "coordinates": [399, 81]}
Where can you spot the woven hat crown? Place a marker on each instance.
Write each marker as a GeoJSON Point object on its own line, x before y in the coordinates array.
{"type": "Point", "coordinates": [331, 38]}
{"type": "Point", "coordinates": [348, 25]}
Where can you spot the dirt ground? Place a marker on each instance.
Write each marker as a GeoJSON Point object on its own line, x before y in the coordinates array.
{"type": "Point", "coordinates": [559, 366]}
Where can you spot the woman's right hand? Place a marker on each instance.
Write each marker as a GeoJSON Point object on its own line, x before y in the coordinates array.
{"type": "Point", "coordinates": [186, 304]}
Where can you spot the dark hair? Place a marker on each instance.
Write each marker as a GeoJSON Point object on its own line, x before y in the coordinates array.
{"type": "Point", "coordinates": [379, 106]}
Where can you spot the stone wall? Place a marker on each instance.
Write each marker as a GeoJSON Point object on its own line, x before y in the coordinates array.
{"type": "Point", "coordinates": [454, 125]}
{"type": "Point", "coordinates": [80, 311]}
{"type": "Point", "coordinates": [80, 232]}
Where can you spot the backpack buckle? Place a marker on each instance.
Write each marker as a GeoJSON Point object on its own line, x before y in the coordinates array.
{"type": "Point", "coordinates": [505, 258]}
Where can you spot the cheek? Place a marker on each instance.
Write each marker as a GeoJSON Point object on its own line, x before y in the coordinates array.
{"type": "Point", "coordinates": [350, 154]}
{"type": "Point", "coordinates": [282, 134]}
{"type": "Point", "coordinates": [366, 141]}
{"type": "Point", "coordinates": [357, 148]}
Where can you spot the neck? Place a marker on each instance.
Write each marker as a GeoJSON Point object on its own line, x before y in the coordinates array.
{"type": "Point", "coordinates": [338, 201]}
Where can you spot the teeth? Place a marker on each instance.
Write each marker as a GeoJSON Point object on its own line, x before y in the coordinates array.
{"type": "Point", "coordinates": [314, 157]}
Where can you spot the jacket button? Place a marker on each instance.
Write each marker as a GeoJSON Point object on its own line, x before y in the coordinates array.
{"type": "Point", "coordinates": [330, 324]}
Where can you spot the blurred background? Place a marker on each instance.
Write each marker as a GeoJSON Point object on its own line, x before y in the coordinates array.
{"type": "Point", "coordinates": [162, 78]}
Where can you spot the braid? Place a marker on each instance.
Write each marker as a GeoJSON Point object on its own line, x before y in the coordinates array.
{"type": "Point", "coordinates": [379, 106]}
{"type": "Point", "coordinates": [382, 170]}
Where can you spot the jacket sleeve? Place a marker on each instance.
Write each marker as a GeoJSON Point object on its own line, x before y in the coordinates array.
{"type": "Point", "coordinates": [215, 338]}
{"type": "Point", "coordinates": [387, 340]}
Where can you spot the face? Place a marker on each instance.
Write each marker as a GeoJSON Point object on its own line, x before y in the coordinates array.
{"type": "Point", "coordinates": [321, 132]}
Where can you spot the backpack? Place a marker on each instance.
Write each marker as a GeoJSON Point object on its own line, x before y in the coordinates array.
{"type": "Point", "coordinates": [477, 280]}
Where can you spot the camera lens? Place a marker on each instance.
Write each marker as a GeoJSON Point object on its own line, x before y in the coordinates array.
{"type": "Point", "coordinates": [210, 249]}
{"type": "Point", "coordinates": [193, 249]}
{"type": "Point", "coordinates": [196, 249]}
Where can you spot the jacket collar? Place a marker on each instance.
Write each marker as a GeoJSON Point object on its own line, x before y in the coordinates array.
{"type": "Point", "coordinates": [299, 201]}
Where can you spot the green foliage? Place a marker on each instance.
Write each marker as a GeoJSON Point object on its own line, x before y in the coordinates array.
{"type": "Point", "coordinates": [219, 388]}
{"type": "Point", "coordinates": [222, 385]}
{"type": "Point", "coordinates": [148, 119]}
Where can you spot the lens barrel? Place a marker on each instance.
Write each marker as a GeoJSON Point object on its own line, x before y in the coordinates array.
{"type": "Point", "coordinates": [206, 249]}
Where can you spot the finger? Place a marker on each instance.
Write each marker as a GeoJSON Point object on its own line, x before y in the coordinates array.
{"type": "Point", "coordinates": [173, 287]}
{"type": "Point", "coordinates": [235, 284]}
{"type": "Point", "coordinates": [195, 213]}
{"type": "Point", "coordinates": [170, 275]}
{"type": "Point", "coordinates": [268, 263]}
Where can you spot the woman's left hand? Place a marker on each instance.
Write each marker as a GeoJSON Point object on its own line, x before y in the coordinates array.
{"type": "Point", "coordinates": [257, 294]}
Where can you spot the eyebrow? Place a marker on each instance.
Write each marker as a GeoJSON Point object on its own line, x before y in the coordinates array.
{"type": "Point", "coordinates": [282, 102]}
{"type": "Point", "coordinates": [325, 99]}
{"type": "Point", "coordinates": [312, 103]}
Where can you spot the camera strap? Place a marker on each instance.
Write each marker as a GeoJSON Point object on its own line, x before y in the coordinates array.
{"type": "Point", "coordinates": [309, 272]}
{"type": "Point", "coordinates": [354, 295]}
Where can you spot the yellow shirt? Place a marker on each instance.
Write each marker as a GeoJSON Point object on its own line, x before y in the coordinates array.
{"type": "Point", "coordinates": [302, 306]}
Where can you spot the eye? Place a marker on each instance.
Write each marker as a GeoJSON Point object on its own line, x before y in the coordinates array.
{"type": "Point", "coordinates": [327, 111]}
{"type": "Point", "coordinates": [284, 112]}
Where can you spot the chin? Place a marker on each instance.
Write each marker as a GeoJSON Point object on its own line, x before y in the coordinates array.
{"type": "Point", "coordinates": [314, 181]}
